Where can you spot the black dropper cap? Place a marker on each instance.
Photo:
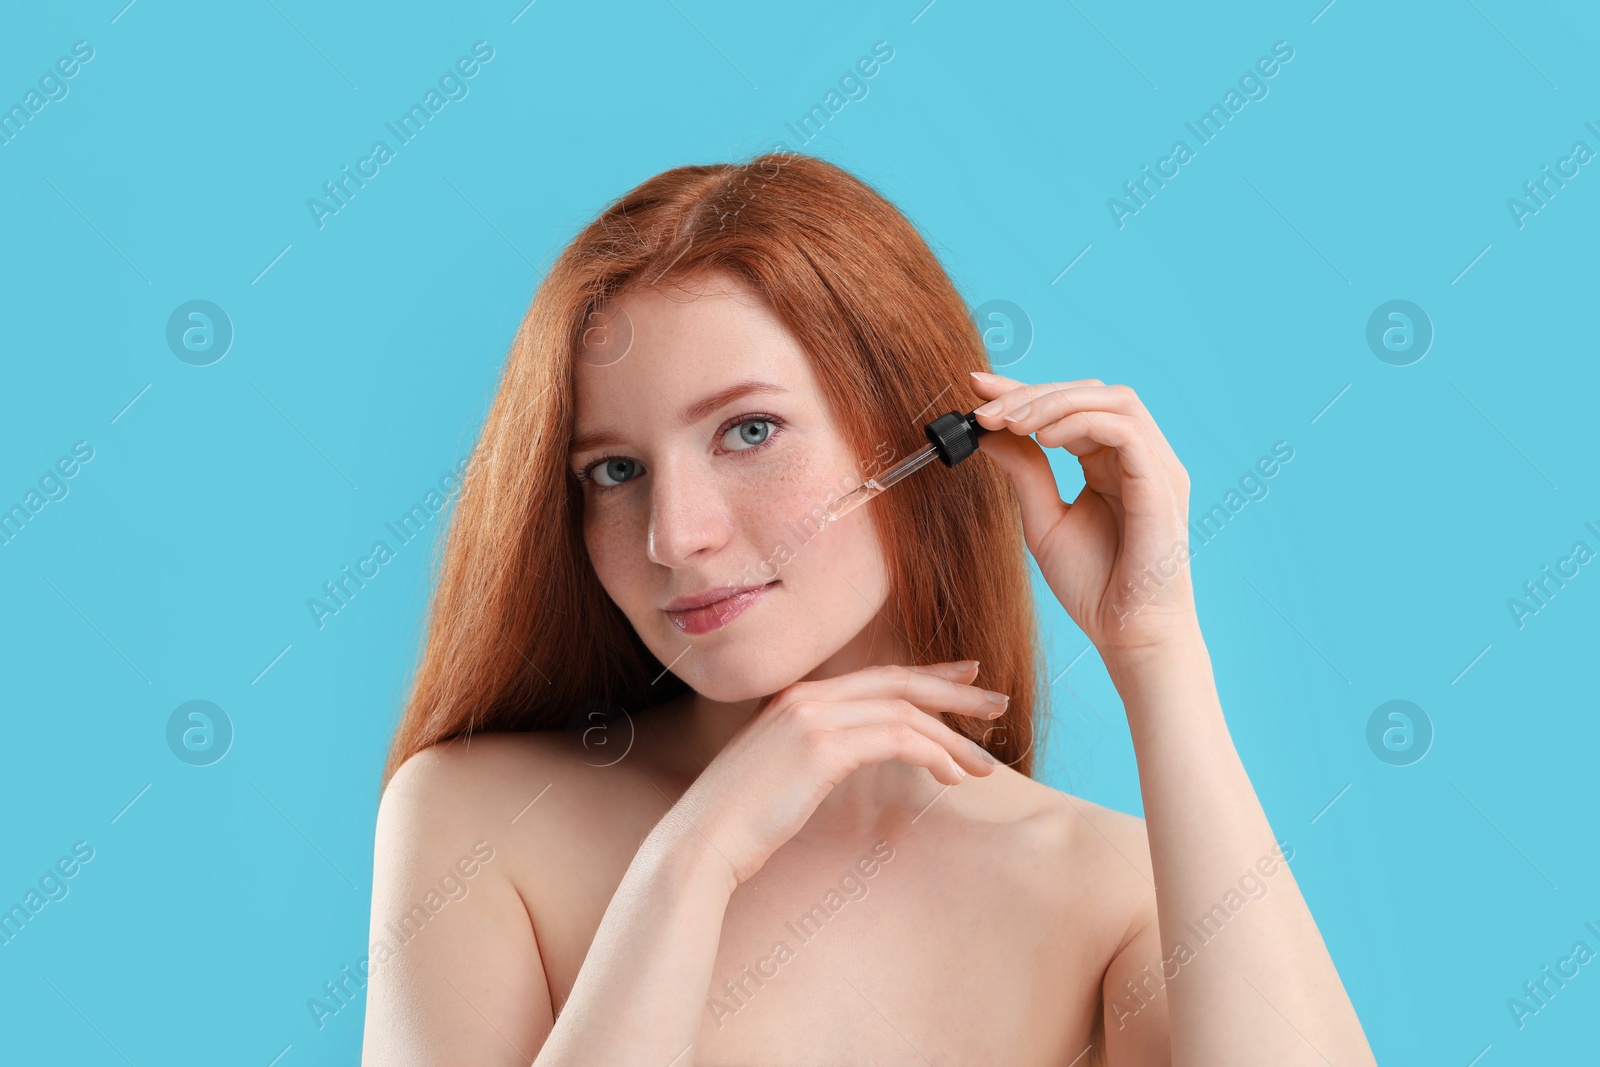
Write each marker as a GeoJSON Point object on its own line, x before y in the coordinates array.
{"type": "Point", "coordinates": [954, 436]}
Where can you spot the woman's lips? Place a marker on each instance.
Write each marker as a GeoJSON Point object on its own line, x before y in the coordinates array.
{"type": "Point", "coordinates": [718, 614]}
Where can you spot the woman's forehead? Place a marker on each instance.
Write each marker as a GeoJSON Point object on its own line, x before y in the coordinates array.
{"type": "Point", "coordinates": [648, 350]}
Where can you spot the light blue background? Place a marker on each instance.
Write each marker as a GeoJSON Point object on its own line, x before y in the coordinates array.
{"type": "Point", "coordinates": [1378, 567]}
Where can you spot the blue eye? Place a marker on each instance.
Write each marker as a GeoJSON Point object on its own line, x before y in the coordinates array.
{"type": "Point", "coordinates": [617, 468]}
{"type": "Point", "coordinates": [750, 438]}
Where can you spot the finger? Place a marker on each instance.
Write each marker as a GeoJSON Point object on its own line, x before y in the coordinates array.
{"type": "Point", "coordinates": [1144, 487]}
{"type": "Point", "coordinates": [883, 680]}
{"type": "Point", "coordinates": [948, 668]}
{"type": "Point", "coordinates": [1038, 495]}
{"type": "Point", "coordinates": [824, 688]}
{"type": "Point", "coordinates": [850, 714]}
{"type": "Point", "coordinates": [859, 714]}
{"type": "Point", "coordinates": [1025, 410]}
{"type": "Point", "coordinates": [995, 386]}
{"type": "Point", "coordinates": [863, 745]}
{"type": "Point", "coordinates": [1028, 415]}
{"type": "Point", "coordinates": [928, 690]}
{"type": "Point", "coordinates": [1086, 432]}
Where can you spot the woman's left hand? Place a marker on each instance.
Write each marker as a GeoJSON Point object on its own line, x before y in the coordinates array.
{"type": "Point", "coordinates": [1117, 557]}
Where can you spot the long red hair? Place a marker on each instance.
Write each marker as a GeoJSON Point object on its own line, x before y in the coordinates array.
{"type": "Point", "coordinates": [520, 631]}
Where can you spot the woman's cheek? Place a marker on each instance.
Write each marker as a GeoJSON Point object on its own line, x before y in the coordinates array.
{"type": "Point", "coordinates": [796, 489]}
{"type": "Point", "coordinates": [612, 552]}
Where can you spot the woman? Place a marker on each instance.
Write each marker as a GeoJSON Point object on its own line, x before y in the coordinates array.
{"type": "Point", "coordinates": [713, 780]}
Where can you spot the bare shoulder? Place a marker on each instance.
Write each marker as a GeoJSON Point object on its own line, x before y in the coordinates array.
{"type": "Point", "coordinates": [528, 791]}
{"type": "Point", "coordinates": [447, 783]}
{"type": "Point", "coordinates": [1095, 857]}
{"type": "Point", "coordinates": [1112, 836]}
{"type": "Point", "coordinates": [565, 813]}
{"type": "Point", "coordinates": [444, 810]}
{"type": "Point", "coordinates": [1065, 826]}
{"type": "Point", "coordinates": [455, 960]}
{"type": "Point", "coordinates": [467, 775]}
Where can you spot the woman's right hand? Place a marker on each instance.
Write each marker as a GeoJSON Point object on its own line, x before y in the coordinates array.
{"type": "Point", "coordinates": [769, 778]}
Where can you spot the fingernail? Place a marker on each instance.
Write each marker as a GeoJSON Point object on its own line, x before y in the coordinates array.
{"type": "Point", "coordinates": [990, 408]}
{"type": "Point", "coordinates": [960, 770]}
{"type": "Point", "coordinates": [981, 752]}
{"type": "Point", "coordinates": [966, 665]}
{"type": "Point", "coordinates": [982, 376]}
{"type": "Point", "coordinates": [1019, 413]}
{"type": "Point", "coordinates": [996, 698]}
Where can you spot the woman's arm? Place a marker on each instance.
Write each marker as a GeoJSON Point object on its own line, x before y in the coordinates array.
{"type": "Point", "coordinates": [1234, 970]}
{"type": "Point", "coordinates": [641, 992]}
{"type": "Point", "coordinates": [1246, 976]}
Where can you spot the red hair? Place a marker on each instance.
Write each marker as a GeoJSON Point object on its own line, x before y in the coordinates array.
{"type": "Point", "coordinates": [520, 631]}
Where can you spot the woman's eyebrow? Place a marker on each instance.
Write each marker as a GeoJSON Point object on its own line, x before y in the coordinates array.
{"type": "Point", "coordinates": [693, 413]}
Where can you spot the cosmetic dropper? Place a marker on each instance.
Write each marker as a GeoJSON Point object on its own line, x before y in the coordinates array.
{"type": "Point", "coordinates": [952, 437]}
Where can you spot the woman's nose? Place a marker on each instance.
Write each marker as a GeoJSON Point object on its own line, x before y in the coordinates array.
{"type": "Point", "coordinates": [687, 515]}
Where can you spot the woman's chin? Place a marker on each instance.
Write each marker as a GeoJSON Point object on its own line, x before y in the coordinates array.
{"type": "Point", "coordinates": [734, 689]}
{"type": "Point", "coordinates": [729, 676]}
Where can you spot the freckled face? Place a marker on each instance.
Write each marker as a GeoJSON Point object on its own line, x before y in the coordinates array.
{"type": "Point", "coordinates": [680, 501]}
